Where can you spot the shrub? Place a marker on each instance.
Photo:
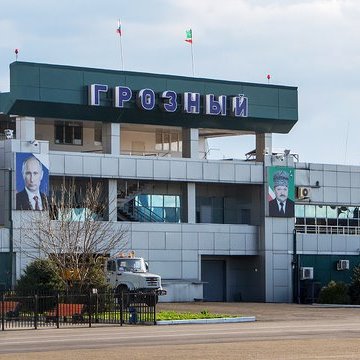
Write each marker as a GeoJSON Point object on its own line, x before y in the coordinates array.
{"type": "Point", "coordinates": [354, 289]}
{"type": "Point", "coordinates": [40, 276]}
{"type": "Point", "coordinates": [334, 293]}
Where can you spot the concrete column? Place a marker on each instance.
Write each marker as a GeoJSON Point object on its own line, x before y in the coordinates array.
{"type": "Point", "coordinates": [263, 145]}
{"type": "Point", "coordinates": [111, 138]}
{"type": "Point", "coordinates": [276, 245]}
{"type": "Point", "coordinates": [190, 143]}
{"type": "Point", "coordinates": [112, 190]}
{"type": "Point", "coordinates": [25, 128]}
{"type": "Point", "coordinates": [191, 203]}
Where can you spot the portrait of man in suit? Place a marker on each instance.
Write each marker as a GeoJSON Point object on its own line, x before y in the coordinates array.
{"type": "Point", "coordinates": [281, 205]}
{"type": "Point", "coordinates": [31, 198]}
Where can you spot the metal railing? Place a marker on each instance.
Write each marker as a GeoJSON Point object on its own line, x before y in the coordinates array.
{"type": "Point", "coordinates": [63, 310]}
{"type": "Point", "coordinates": [141, 212]}
{"type": "Point", "coordinates": [327, 229]}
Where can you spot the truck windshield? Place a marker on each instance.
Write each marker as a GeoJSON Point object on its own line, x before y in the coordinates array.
{"type": "Point", "coordinates": [134, 265]}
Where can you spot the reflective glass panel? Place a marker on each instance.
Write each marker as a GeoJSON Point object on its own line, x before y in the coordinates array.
{"type": "Point", "coordinates": [166, 145]}
{"type": "Point", "coordinates": [331, 212]}
{"type": "Point", "coordinates": [158, 213]}
{"type": "Point", "coordinates": [342, 212]}
{"type": "Point", "coordinates": [169, 201]}
{"type": "Point", "coordinates": [174, 141]}
{"type": "Point", "coordinates": [299, 211]}
{"type": "Point", "coordinates": [157, 200]}
{"type": "Point", "coordinates": [320, 211]}
{"type": "Point", "coordinates": [310, 211]}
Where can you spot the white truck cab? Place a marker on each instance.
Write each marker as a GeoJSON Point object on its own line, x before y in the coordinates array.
{"type": "Point", "coordinates": [126, 273]}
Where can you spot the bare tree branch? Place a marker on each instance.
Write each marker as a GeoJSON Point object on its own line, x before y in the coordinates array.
{"type": "Point", "coordinates": [72, 232]}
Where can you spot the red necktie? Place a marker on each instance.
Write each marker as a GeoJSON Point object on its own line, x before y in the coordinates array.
{"type": "Point", "coordinates": [36, 198]}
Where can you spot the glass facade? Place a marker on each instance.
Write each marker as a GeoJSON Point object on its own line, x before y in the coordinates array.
{"type": "Point", "coordinates": [80, 197]}
{"type": "Point", "coordinates": [327, 219]}
{"type": "Point", "coordinates": [168, 141]}
{"type": "Point", "coordinates": [157, 208]}
{"type": "Point", "coordinates": [68, 133]}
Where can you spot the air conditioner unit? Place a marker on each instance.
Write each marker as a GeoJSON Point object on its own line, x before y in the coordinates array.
{"type": "Point", "coordinates": [306, 273]}
{"type": "Point", "coordinates": [342, 265]}
{"type": "Point", "coordinates": [303, 192]}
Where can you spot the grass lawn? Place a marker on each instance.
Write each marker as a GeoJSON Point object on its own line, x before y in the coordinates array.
{"type": "Point", "coordinates": [174, 315]}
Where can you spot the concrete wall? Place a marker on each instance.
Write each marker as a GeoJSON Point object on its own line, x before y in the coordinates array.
{"type": "Point", "coordinates": [324, 244]}
{"type": "Point", "coordinates": [140, 167]}
{"type": "Point", "coordinates": [172, 250]}
{"type": "Point", "coordinates": [338, 184]}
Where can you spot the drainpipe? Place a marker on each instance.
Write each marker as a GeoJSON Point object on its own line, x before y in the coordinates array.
{"type": "Point", "coordinates": [11, 236]}
{"type": "Point", "coordinates": [11, 233]}
{"type": "Point", "coordinates": [295, 267]}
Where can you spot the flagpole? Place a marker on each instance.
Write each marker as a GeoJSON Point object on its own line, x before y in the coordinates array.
{"type": "Point", "coordinates": [192, 60]}
{"type": "Point", "coordinates": [121, 53]}
{"type": "Point", "coordinates": [189, 39]}
{"type": "Point", "coordinates": [121, 48]}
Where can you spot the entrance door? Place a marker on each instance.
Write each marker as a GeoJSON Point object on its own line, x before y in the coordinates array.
{"type": "Point", "coordinates": [213, 274]}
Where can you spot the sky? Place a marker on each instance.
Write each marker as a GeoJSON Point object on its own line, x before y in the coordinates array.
{"type": "Point", "coordinates": [311, 44]}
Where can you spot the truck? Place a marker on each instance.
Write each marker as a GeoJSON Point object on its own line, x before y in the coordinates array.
{"type": "Point", "coordinates": [129, 275]}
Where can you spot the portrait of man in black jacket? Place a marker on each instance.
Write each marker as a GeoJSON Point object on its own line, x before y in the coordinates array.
{"type": "Point", "coordinates": [281, 206]}
{"type": "Point", "coordinates": [30, 198]}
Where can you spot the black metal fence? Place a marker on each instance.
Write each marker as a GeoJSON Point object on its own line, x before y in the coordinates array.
{"type": "Point", "coordinates": [60, 310]}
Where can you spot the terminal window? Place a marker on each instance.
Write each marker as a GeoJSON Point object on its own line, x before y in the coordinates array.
{"type": "Point", "coordinates": [68, 133]}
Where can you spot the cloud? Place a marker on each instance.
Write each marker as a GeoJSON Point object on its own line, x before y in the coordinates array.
{"type": "Point", "coordinates": [312, 44]}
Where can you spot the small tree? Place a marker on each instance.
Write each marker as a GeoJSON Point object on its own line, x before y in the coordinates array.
{"type": "Point", "coordinates": [354, 289]}
{"type": "Point", "coordinates": [73, 236]}
{"type": "Point", "coordinates": [40, 276]}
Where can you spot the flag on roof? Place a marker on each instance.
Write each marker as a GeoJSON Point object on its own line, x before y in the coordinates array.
{"type": "Point", "coordinates": [118, 30]}
{"type": "Point", "coordinates": [189, 36]}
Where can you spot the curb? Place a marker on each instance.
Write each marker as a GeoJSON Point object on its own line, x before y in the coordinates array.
{"type": "Point", "coordinates": [208, 321]}
{"type": "Point", "coordinates": [345, 306]}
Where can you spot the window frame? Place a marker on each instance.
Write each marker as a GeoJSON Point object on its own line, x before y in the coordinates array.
{"type": "Point", "coordinates": [65, 127]}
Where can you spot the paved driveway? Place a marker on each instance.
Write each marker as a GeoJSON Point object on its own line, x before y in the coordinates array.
{"type": "Point", "coordinates": [282, 331]}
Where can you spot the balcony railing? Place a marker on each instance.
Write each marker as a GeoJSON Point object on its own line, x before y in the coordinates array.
{"type": "Point", "coordinates": [327, 229]}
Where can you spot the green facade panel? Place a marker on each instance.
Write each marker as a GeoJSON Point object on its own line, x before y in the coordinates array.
{"type": "Point", "coordinates": [325, 268]}
{"type": "Point", "coordinates": [54, 91]}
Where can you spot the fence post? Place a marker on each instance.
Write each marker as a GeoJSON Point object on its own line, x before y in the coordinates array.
{"type": "Point", "coordinates": [155, 303]}
{"type": "Point", "coordinates": [97, 307]}
{"type": "Point", "coordinates": [89, 306]}
{"type": "Point", "coordinates": [121, 307]}
{"type": "Point", "coordinates": [3, 312]}
{"type": "Point", "coordinates": [57, 311]}
{"type": "Point", "coordinates": [36, 310]}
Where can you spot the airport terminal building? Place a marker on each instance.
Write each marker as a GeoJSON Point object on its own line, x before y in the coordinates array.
{"type": "Point", "coordinates": [263, 228]}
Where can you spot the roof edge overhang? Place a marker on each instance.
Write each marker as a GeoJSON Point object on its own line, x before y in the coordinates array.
{"type": "Point", "coordinates": [61, 92]}
{"type": "Point", "coordinates": [134, 116]}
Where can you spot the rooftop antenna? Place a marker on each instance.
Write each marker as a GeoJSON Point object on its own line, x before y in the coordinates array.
{"type": "Point", "coordinates": [268, 76]}
{"type": "Point", "coordinates": [16, 54]}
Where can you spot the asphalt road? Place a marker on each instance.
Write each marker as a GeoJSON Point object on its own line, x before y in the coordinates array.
{"type": "Point", "coordinates": [283, 332]}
